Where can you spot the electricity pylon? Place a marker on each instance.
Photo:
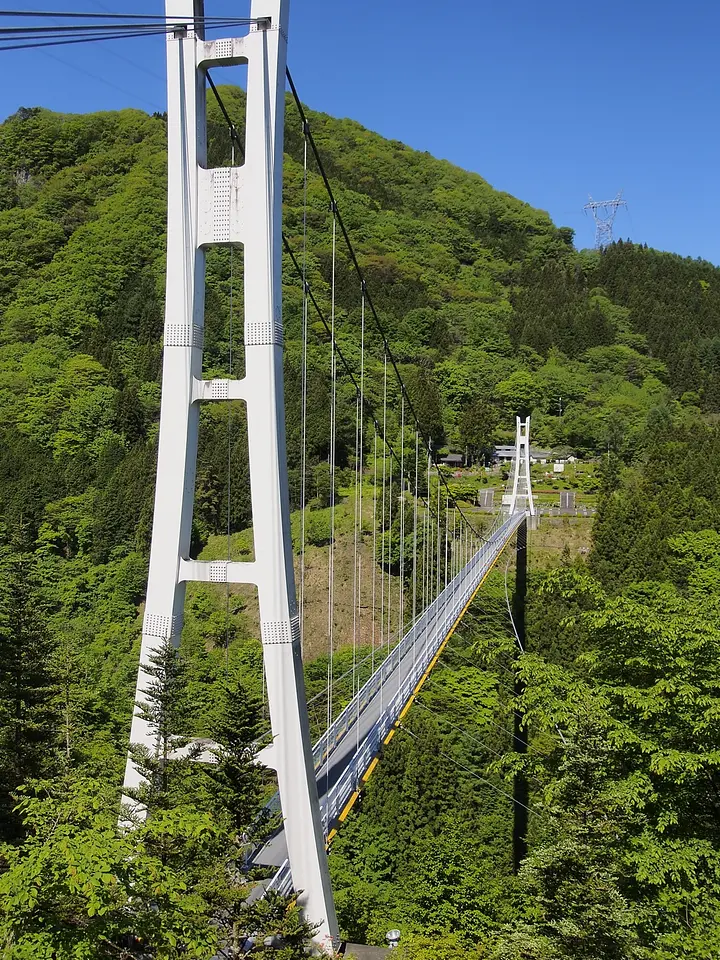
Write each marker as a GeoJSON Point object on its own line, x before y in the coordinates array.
{"type": "Point", "coordinates": [604, 212]}
{"type": "Point", "coordinates": [207, 207]}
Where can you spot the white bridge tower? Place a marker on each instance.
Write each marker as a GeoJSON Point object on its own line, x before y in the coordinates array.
{"type": "Point", "coordinates": [233, 205]}
{"type": "Point", "coordinates": [521, 498]}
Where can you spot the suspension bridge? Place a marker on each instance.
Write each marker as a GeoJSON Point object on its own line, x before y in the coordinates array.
{"type": "Point", "coordinates": [348, 750]}
{"type": "Point", "coordinates": [443, 555]}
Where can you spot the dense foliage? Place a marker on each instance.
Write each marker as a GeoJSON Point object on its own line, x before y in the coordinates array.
{"type": "Point", "coordinates": [490, 312]}
{"type": "Point", "coordinates": [620, 697]}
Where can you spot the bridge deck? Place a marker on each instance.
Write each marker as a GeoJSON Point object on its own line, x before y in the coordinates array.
{"type": "Point", "coordinates": [345, 752]}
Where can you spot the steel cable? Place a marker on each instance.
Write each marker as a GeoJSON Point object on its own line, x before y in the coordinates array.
{"type": "Point", "coordinates": [371, 305]}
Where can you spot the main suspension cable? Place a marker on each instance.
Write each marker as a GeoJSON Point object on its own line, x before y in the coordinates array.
{"type": "Point", "coordinates": [139, 25]}
{"type": "Point", "coordinates": [371, 305]}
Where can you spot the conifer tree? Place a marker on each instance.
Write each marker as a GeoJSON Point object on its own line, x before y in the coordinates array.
{"type": "Point", "coordinates": [161, 767]}
{"type": "Point", "coordinates": [236, 777]}
{"type": "Point", "coordinates": [28, 709]}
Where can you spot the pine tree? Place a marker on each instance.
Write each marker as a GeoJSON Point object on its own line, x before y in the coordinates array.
{"type": "Point", "coordinates": [29, 722]}
{"type": "Point", "coordinates": [236, 777]}
{"type": "Point", "coordinates": [161, 767]}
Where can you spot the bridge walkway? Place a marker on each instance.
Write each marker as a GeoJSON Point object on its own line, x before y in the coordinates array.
{"type": "Point", "coordinates": [345, 755]}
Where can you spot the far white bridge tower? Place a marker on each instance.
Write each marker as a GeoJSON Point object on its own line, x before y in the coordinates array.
{"type": "Point", "coordinates": [520, 498]}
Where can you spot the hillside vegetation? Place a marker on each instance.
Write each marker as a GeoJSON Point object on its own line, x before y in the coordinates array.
{"type": "Point", "coordinates": [487, 307]}
{"type": "Point", "coordinates": [490, 312]}
{"type": "Point", "coordinates": [620, 684]}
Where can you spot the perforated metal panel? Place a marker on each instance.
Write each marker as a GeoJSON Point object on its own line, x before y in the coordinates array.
{"type": "Point", "coordinates": [262, 334]}
{"type": "Point", "coordinates": [156, 625]}
{"type": "Point", "coordinates": [218, 571]}
{"type": "Point", "coordinates": [219, 389]}
{"type": "Point", "coordinates": [183, 335]}
{"type": "Point", "coordinates": [223, 48]}
{"type": "Point", "coordinates": [276, 631]}
{"type": "Point", "coordinates": [221, 205]}
{"type": "Point", "coordinates": [263, 27]}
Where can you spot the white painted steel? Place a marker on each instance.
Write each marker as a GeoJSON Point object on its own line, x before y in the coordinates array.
{"type": "Point", "coordinates": [207, 207]}
{"type": "Point", "coordinates": [291, 750]}
{"type": "Point", "coordinates": [521, 498]}
{"type": "Point", "coordinates": [182, 362]}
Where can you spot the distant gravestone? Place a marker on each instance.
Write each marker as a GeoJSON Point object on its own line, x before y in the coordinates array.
{"type": "Point", "coordinates": [567, 501]}
{"type": "Point", "coordinates": [486, 499]}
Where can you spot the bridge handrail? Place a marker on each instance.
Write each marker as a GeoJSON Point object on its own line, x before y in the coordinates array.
{"type": "Point", "coordinates": [350, 713]}
{"type": "Point", "coordinates": [349, 780]}
{"type": "Point", "coordinates": [325, 746]}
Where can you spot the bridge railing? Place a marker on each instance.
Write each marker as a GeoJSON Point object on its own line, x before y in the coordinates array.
{"type": "Point", "coordinates": [430, 629]}
{"type": "Point", "coordinates": [418, 634]}
{"type": "Point", "coordinates": [444, 612]}
{"type": "Point", "coordinates": [419, 631]}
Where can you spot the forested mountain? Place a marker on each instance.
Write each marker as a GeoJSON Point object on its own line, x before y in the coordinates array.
{"type": "Point", "coordinates": [484, 300]}
{"type": "Point", "coordinates": [490, 311]}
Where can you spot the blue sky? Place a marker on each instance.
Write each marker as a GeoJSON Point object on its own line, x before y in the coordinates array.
{"type": "Point", "coordinates": [548, 101]}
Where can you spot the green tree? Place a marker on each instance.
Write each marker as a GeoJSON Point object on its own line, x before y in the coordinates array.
{"type": "Point", "coordinates": [519, 394]}
{"type": "Point", "coordinates": [572, 882]}
{"type": "Point", "coordinates": [75, 887]}
{"type": "Point", "coordinates": [236, 776]}
{"type": "Point", "coordinates": [29, 720]}
{"type": "Point", "coordinates": [164, 767]}
{"type": "Point", "coordinates": [477, 428]}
